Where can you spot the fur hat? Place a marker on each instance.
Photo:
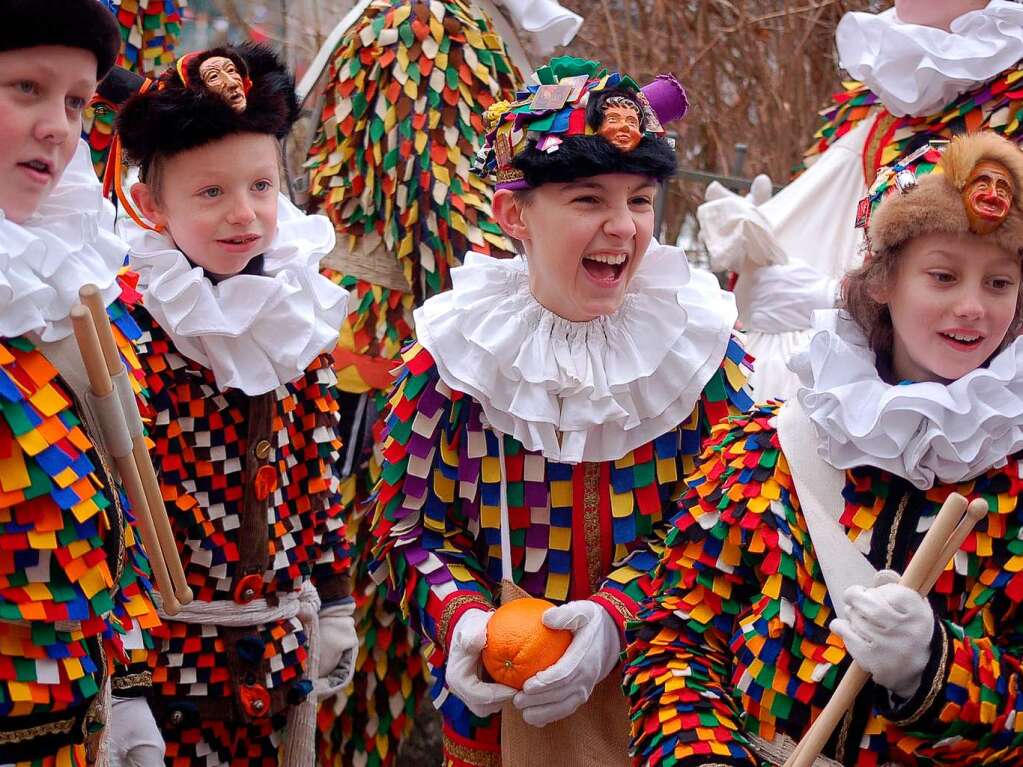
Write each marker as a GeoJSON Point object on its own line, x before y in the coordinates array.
{"type": "Point", "coordinates": [182, 112]}
{"type": "Point", "coordinates": [86, 24]}
{"type": "Point", "coordinates": [934, 203]}
{"type": "Point", "coordinates": [552, 131]}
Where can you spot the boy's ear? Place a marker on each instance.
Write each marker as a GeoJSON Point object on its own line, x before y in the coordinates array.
{"type": "Point", "coordinates": [144, 199]}
{"type": "Point", "coordinates": [508, 208]}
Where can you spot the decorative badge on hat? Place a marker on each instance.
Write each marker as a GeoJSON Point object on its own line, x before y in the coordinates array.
{"type": "Point", "coordinates": [576, 101]}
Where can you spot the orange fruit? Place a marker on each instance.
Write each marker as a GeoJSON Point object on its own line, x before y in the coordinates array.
{"type": "Point", "coordinates": [519, 645]}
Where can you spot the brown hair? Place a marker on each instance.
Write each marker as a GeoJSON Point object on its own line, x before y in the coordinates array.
{"type": "Point", "coordinates": [879, 271]}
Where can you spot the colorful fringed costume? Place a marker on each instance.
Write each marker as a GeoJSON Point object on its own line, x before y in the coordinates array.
{"type": "Point", "coordinates": [253, 499]}
{"type": "Point", "coordinates": [736, 640]}
{"type": "Point", "coordinates": [739, 649]}
{"type": "Point", "coordinates": [408, 86]}
{"type": "Point", "coordinates": [75, 610]}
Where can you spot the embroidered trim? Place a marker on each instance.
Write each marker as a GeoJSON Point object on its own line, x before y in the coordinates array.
{"type": "Point", "coordinates": [936, 685]}
{"type": "Point", "coordinates": [60, 727]}
{"type": "Point", "coordinates": [451, 608]}
{"type": "Point", "coordinates": [591, 523]}
{"type": "Point", "coordinates": [619, 604]}
{"type": "Point", "coordinates": [130, 681]}
{"type": "Point", "coordinates": [474, 756]}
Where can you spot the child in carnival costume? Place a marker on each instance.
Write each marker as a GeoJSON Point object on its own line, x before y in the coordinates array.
{"type": "Point", "coordinates": [238, 325]}
{"type": "Point", "coordinates": [910, 393]}
{"type": "Point", "coordinates": [916, 71]}
{"type": "Point", "coordinates": [555, 400]}
{"type": "Point", "coordinates": [75, 613]}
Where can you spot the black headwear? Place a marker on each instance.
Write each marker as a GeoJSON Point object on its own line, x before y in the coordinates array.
{"type": "Point", "coordinates": [86, 24]}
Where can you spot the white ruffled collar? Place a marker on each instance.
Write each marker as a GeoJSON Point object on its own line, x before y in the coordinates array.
{"type": "Point", "coordinates": [579, 391]}
{"type": "Point", "coordinates": [254, 332]}
{"type": "Point", "coordinates": [923, 431]}
{"type": "Point", "coordinates": [916, 70]}
{"type": "Point", "coordinates": [67, 243]}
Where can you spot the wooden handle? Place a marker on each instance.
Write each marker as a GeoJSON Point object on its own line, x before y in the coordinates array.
{"type": "Point", "coordinates": [99, 382]}
{"type": "Point", "coordinates": [93, 300]}
{"type": "Point", "coordinates": [923, 570]}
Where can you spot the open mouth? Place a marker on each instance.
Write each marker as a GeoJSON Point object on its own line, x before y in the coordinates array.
{"type": "Point", "coordinates": [605, 268]}
{"type": "Point", "coordinates": [963, 340]}
{"type": "Point", "coordinates": [240, 242]}
{"type": "Point", "coordinates": [39, 168]}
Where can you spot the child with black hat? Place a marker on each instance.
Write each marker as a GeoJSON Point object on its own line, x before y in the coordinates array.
{"type": "Point", "coordinates": [74, 607]}
{"type": "Point", "coordinates": [238, 324]}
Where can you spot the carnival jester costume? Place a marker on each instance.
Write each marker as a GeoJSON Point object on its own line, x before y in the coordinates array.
{"type": "Point", "coordinates": [910, 83]}
{"type": "Point", "coordinates": [245, 421]}
{"type": "Point", "coordinates": [564, 439]}
{"type": "Point", "coordinates": [793, 506]}
{"type": "Point", "coordinates": [75, 611]}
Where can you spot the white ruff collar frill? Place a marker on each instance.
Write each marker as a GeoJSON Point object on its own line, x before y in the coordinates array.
{"type": "Point", "coordinates": [254, 332]}
{"type": "Point", "coordinates": [916, 70]}
{"type": "Point", "coordinates": [579, 391]}
{"type": "Point", "coordinates": [67, 243]}
{"type": "Point", "coordinates": [920, 431]}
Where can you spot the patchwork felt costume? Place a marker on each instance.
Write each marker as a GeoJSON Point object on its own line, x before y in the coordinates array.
{"type": "Point", "coordinates": [575, 434]}
{"type": "Point", "coordinates": [921, 84]}
{"type": "Point", "coordinates": [406, 87]}
{"type": "Point", "coordinates": [732, 657]}
{"type": "Point", "coordinates": [75, 612]}
{"type": "Point", "coordinates": [245, 423]}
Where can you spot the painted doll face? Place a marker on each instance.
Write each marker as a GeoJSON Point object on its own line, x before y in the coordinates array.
{"type": "Point", "coordinates": [988, 195]}
{"type": "Point", "coordinates": [621, 126]}
{"type": "Point", "coordinates": [220, 75]}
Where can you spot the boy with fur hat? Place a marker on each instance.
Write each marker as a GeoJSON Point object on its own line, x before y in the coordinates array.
{"type": "Point", "coordinates": [910, 394]}
{"type": "Point", "coordinates": [74, 604]}
{"type": "Point", "coordinates": [543, 419]}
{"type": "Point", "coordinates": [238, 323]}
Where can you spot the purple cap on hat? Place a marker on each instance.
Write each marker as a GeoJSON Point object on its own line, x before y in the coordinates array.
{"type": "Point", "coordinates": [667, 97]}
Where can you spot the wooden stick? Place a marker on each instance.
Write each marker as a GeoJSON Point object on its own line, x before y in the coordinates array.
{"type": "Point", "coordinates": [920, 576]}
{"type": "Point", "coordinates": [157, 511]}
{"type": "Point", "coordinates": [101, 386]}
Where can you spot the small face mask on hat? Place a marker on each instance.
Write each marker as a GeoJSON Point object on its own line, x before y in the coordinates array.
{"type": "Point", "coordinates": [220, 75]}
{"type": "Point", "coordinates": [988, 196]}
{"type": "Point", "coordinates": [621, 124]}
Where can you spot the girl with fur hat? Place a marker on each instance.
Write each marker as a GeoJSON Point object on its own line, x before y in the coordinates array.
{"type": "Point", "coordinates": [545, 415]}
{"type": "Point", "coordinates": [237, 326]}
{"type": "Point", "coordinates": [74, 607]}
{"type": "Point", "coordinates": [912, 392]}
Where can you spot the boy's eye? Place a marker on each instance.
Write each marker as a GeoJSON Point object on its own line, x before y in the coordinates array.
{"type": "Point", "coordinates": [75, 104]}
{"type": "Point", "coordinates": [27, 87]}
{"type": "Point", "coordinates": [642, 201]}
{"type": "Point", "coordinates": [1001, 283]}
{"type": "Point", "coordinates": [942, 277]}
{"type": "Point", "coordinates": [262, 186]}
{"type": "Point", "coordinates": [586, 198]}
{"type": "Point", "coordinates": [210, 192]}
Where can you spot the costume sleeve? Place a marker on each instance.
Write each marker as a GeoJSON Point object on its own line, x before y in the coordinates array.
{"type": "Point", "coordinates": [725, 395]}
{"type": "Point", "coordinates": [134, 612]}
{"type": "Point", "coordinates": [320, 418]}
{"type": "Point", "coordinates": [723, 549]}
{"type": "Point", "coordinates": [425, 544]}
{"type": "Point", "coordinates": [969, 697]}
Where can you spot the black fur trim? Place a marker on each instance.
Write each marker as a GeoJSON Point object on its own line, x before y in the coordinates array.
{"type": "Point", "coordinates": [170, 118]}
{"type": "Point", "coordinates": [86, 24]}
{"type": "Point", "coordinates": [585, 156]}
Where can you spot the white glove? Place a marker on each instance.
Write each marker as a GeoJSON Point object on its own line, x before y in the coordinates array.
{"type": "Point", "coordinates": [556, 692]}
{"type": "Point", "coordinates": [737, 234]}
{"type": "Point", "coordinates": [339, 647]}
{"type": "Point", "coordinates": [888, 632]}
{"type": "Point", "coordinates": [134, 738]}
{"type": "Point", "coordinates": [462, 669]}
{"type": "Point", "coordinates": [783, 297]}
